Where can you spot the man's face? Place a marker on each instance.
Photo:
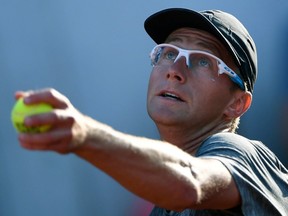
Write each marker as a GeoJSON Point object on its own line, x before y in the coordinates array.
{"type": "Point", "coordinates": [180, 96]}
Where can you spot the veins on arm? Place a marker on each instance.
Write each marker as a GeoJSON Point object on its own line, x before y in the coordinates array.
{"type": "Point", "coordinates": [217, 188]}
{"type": "Point", "coordinates": [161, 172]}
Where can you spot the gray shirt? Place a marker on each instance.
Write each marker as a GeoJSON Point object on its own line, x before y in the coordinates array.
{"type": "Point", "coordinates": [261, 178]}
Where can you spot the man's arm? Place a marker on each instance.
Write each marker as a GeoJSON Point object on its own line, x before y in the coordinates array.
{"type": "Point", "coordinates": [160, 172]}
{"type": "Point", "coordinates": [154, 170]}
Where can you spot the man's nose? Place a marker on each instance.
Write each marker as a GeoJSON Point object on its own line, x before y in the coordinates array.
{"type": "Point", "coordinates": [186, 56]}
{"type": "Point", "coordinates": [178, 70]}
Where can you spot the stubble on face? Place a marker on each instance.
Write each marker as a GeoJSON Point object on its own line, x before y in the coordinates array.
{"type": "Point", "coordinates": [201, 104]}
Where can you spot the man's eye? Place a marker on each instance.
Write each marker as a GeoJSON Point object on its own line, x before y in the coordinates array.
{"type": "Point", "coordinates": [171, 56]}
{"type": "Point", "coordinates": [203, 62]}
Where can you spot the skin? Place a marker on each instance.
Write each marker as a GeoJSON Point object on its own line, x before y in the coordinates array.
{"type": "Point", "coordinates": [163, 172]}
{"type": "Point", "coordinates": [194, 117]}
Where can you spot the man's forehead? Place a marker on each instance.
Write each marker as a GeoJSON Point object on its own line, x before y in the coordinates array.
{"type": "Point", "coordinates": [193, 32]}
{"type": "Point", "coordinates": [197, 36]}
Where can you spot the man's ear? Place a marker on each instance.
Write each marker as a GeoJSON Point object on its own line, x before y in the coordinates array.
{"type": "Point", "coordinates": [239, 104]}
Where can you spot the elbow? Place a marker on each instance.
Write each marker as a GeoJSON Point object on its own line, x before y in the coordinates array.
{"type": "Point", "coordinates": [188, 196]}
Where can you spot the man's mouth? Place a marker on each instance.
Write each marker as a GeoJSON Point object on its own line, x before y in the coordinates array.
{"type": "Point", "coordinates": [171, 96]}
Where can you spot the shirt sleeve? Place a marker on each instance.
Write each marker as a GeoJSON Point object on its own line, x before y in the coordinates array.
{"type": "Point", "coordinates": [254, 170]}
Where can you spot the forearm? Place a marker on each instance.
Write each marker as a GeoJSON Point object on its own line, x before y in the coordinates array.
{"type": "Point", "coordinates": [155, 170]}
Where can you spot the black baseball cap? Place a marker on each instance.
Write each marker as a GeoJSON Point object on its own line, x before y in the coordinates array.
{"type": "Point", "coordinates": [224, 26]}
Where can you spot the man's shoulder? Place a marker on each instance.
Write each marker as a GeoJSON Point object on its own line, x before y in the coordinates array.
{"type": "Point", "coordinates": [231, 144]}
{"type": "Point", "coordinates": [226, 139]}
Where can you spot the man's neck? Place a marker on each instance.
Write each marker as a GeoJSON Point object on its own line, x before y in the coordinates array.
{"type": "Point", "coordinates": [188, 140]}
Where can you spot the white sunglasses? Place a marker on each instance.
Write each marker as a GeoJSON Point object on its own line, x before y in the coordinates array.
{"type": "Point", "coordinates": [167, 54]}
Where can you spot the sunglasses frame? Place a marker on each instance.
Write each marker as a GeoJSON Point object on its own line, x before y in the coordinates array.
{"type": "Point", "coordinates": [223, 68]}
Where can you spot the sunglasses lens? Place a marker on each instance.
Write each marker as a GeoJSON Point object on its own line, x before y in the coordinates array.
{"type": "Point", "coordinates": [203, 62]}
{"type": "Point", "coordinates": [196, 61]}
{"type": "Point", "coordinates": [164, 55]}
{"type": "Point", "coordinates": [167, 55]}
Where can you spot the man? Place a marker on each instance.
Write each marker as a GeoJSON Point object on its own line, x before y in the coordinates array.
{"type": "Point", "coordinates": [204, 69]}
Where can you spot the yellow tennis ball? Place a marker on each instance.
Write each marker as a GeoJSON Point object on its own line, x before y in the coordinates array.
{"type": "Point", "coordinates": [21, 110]}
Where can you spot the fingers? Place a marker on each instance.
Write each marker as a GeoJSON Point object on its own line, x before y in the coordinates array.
{"type": "Point", "coordinates": [19, 94]}
{"type": "Point", "coordinates": [58, 141]}
{"type": "Point", "coordinates": [56, 119]}
{"type": "Point", "coordinates": [48, 95]}
{"type": "Point", "coordinates": [67, 125]}
{"type": "Point", "coordinates": [64, 137]}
